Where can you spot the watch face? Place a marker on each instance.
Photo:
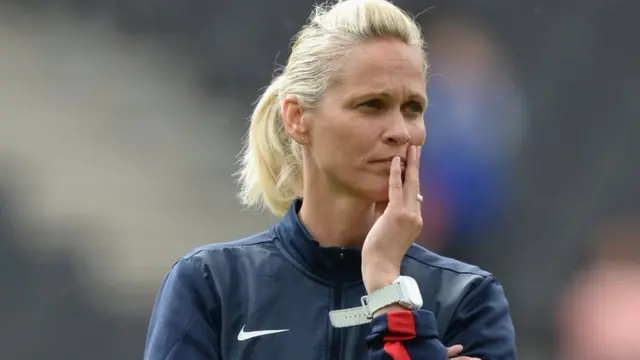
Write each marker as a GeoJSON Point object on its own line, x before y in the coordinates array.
{"type": "Point", "coordinates": [411, 292]}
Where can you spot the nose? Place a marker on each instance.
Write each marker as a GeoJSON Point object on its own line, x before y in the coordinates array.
{"type": "Point", "coordinates": [397, 133]}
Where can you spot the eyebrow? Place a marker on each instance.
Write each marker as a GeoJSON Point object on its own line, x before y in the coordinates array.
{"type": "Point", "coordinates": [415, 97]}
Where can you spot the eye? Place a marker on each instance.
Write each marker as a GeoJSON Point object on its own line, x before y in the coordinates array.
{"type": "Point", "coordinates": [372, 104]}
{"type": "Point", "coordinates": [414, 107]}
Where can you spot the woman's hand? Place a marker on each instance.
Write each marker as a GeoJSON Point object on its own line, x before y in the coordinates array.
{"type": "Point", "coordinates": [455, 350]}
{"type": "Point", "coordinates": [398, 225]}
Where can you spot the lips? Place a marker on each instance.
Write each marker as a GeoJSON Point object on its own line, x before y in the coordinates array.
{"type": "Point", "coordinates": [387, 162]}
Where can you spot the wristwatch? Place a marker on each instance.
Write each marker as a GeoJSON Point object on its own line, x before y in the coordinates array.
{"type": "Point", "coordinates": [404, 291]}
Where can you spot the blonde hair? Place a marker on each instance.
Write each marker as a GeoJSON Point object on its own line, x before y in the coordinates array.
{"type": "Point", "coordinates": [271, 163]}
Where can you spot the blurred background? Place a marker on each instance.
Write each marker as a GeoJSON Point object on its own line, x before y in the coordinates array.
{"type": "Point", "coordinates": [120, 122]}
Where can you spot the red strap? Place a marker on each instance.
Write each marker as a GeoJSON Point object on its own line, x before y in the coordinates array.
{"type": "Point", "coordinates": [401, 326]}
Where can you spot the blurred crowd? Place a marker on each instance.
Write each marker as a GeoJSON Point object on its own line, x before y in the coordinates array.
{"type": "Point", "coordinates": [120, 122]}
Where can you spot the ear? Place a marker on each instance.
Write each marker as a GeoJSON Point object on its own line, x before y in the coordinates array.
{"type": "Point", "coordinates": [294, 120]}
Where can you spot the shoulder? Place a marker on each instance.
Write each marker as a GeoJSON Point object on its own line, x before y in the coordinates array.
{"type": "Point", "coordinates": [226, 261]}
{"type": "Point", "coordinates": [449, 280]}
{"type": "Point", "coordinates": [255, 240]}
{"type": "Point", "coordinates": [219, 251]}
{"type": "Point", "coordinates": [470, 303]}
{"type": "Point", "coordinates": [417, 256]}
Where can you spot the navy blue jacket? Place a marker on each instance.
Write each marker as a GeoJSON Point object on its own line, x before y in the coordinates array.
{"type": "Point", "coordinates": [268, 297]}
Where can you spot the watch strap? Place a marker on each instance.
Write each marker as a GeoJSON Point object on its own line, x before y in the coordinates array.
{"type": "Point", "coordinates": [363, 314]}
{"type": "Point", "coordinates": [349, 317]}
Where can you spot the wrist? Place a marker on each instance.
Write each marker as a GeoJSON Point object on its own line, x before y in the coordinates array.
{"type": "Point", "coordinates": [388, 309]}
{"type": "Point", "coordinates": [378, 277]}
{"type": "Point", "coordinates": [401, 295]}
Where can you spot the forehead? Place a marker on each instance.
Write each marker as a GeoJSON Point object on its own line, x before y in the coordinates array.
{"type": "Point", "coordinates": [382, 65]}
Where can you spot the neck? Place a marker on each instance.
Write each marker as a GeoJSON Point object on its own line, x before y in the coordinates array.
{"type": "Point", "coordinates": [333, 220]}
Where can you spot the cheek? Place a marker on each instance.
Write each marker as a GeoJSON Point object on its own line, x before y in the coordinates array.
{"type": "Point", "coordinates": [352, 142]}
{"type": "Point", "coordinates": [332, 148]}
{"type": "Point", "coordinates": [418, 133]}
{"type": "Point", "coordinates": [362, 145]}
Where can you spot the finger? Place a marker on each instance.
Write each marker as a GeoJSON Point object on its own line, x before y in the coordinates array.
{"type": "Point", "coordinates": [421, 197]}
{"type": "Point", "coordinates": [418, 155]}
{"type": "Point", "coordinates": [395, 183]}
{"type": "Point", "coordinates": [410, 188]}
{"type": "Point", "coordinates": [454, 350]}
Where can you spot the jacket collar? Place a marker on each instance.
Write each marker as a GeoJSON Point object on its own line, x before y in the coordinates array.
{"type": "Point", "coordinates": [335, 264]}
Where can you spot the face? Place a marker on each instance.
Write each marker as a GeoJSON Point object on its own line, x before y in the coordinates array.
{"type": "Point", "coordinates": [371, 114]}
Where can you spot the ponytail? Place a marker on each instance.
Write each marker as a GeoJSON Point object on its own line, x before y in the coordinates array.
{"type": "Point", "coordinates": [270, 174]}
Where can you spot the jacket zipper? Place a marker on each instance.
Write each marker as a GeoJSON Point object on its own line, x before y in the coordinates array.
{"type": "Point", "coordinates": [337, 304]}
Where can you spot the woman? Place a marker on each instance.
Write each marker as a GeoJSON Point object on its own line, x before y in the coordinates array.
{"type": "Point", "coordinates": [333, 149]}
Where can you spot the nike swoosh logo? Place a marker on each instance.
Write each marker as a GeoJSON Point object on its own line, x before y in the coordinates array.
{"type": "Point", "coordinates": [246, 335]}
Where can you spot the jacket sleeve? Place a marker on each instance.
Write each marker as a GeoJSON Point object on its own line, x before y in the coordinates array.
{"type": "Point", "coordinates": [405, 335]}
{"type": "Point", "coordinates": [181, 325]}
{"type": "Point", "coordinates": [481, 324]}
